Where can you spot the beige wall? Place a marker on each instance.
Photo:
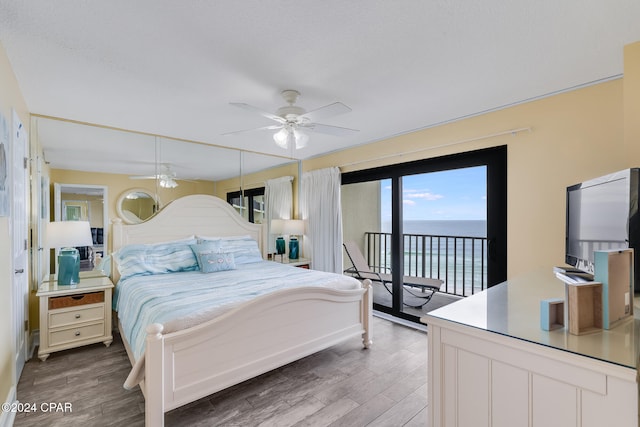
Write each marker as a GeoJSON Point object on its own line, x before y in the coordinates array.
{"type": "Point", "coordinates": [10, 99]}
{"type": "Point", "coordinates": [632, 103]}
{"type": "Point", "coordinates": [358, 213]}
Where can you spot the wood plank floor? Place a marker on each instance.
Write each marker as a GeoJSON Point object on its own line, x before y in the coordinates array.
{"type": "Point", "coordinates": [344, 385]}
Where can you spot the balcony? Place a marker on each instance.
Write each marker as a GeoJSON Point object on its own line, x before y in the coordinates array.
{"type": "Point", "coordinates": [459, 261]}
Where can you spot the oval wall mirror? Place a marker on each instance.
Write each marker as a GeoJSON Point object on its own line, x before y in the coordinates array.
{"type": "Point", "coordinates": [137, 205]}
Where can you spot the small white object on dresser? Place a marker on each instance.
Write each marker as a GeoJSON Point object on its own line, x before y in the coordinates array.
{"type": "Point", "coordinates": [74, 316]}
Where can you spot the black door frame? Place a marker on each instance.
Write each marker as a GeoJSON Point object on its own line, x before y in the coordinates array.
{"type": "Point", "coordinates": [495, 159]}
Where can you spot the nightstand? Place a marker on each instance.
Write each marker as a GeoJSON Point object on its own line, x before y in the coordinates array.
{"type": "Point", "coordinates": [300, 262]}
{"type": "Point", "coordinates": [74, 316]}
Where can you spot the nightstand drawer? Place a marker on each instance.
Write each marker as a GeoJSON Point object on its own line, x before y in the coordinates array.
{"type": "Point", "coordinates": [75, 300]}
{"type": "Point", "coordinates": [76, 334]}
{"type": "Point", "coordinates": [81, 315]}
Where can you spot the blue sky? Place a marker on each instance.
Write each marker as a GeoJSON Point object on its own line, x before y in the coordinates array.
{"type": "Point", "coordinates": [449, 195]}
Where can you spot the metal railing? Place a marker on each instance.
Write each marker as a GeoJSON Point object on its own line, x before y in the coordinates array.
{"type": "Point", "coordinates": [459, 261]}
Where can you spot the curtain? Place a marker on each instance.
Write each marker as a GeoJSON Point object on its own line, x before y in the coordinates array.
{"type": "Point", "coordinates": [278, 202]}
{"type": "Point", "coordinates": [322, 212]}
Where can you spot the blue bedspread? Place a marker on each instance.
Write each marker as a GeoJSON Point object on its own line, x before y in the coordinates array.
{"type": "Point", "coordinates": [166, 298]}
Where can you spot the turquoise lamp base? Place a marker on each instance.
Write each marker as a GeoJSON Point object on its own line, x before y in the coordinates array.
{"type": "Point", "coordinates": [68, 266]}
{"type": "Point", "coordinates": [294, 248]}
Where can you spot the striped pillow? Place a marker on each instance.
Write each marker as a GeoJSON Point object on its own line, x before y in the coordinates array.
{"type": "Point", "coordinates": [159, 258]}
{"type": "Point", "coordinates": [244, 249]}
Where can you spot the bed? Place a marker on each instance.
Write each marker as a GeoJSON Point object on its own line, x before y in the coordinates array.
{"type": "Point", "coordinates": [181, 360]}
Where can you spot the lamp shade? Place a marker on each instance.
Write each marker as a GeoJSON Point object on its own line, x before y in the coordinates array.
{"type": "Point", "coordinates": [293, 227]}
{"type": "Point", "coordinates": [277, 226]}
{"type": "Point", "coordinates": [61, 234]}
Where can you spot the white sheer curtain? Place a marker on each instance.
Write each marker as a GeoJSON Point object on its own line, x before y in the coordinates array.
{"type": "Point", "coordinates": [278, 202]}
{"type": "Point", "coordinates": [321, 209]}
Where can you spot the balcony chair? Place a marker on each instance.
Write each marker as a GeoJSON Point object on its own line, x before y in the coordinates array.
{"type": "Point", "coordinates": [361, 270]}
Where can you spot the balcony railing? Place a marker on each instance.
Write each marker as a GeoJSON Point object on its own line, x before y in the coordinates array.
{"type": "Point", "coordinates": [460, 261]}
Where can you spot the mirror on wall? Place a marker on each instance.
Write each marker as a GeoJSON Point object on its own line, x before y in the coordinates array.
{"type": "Point", "coordinates": [139, 160]}
{"type": "Point", "coordinates": [137, 205]}
{"type": "Point", "coordinates": [84, 202]}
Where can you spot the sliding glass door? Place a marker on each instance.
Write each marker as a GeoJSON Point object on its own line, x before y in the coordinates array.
{"type": "Point", "coordinates": [441, 218]}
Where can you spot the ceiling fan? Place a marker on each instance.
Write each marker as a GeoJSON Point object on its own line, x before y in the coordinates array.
{"type": "Point", "coordinates": [165, 176]}
{"type": "Point", "coordinates": [293, 122]}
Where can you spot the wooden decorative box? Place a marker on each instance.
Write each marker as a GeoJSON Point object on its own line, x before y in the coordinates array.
{"type": "Point", "coordinates": [551, 314]}
{"type": "Point", "coordinates": [614, 269]}
{"type": "Point", "coordinates": [585, 307]}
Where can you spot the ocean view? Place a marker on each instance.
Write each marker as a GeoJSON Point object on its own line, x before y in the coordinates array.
{"type": "Point", "coordinates": [465, 228]}
{"type": "Point", "coordinates": [459, 258]}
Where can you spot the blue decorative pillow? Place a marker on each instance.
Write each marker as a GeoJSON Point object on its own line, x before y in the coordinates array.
{"type": "Point", "coordinates": [205, 246]}
{"type": "Point", "coordinates": [212, 262]}
{"type": "Point", "coordinates": [159, 258]}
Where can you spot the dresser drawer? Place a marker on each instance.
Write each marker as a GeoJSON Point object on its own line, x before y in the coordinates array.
{"type": "Point", "coordinates": [79, 315]}
{"type": "Point", "coordinates": [75, 300]}
{"type": "Point", "coordinates": [66, 336]}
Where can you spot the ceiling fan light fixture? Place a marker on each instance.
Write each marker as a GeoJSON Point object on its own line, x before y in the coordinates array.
{"type": "Point", "coordinates": [291, 137]}
{"type": "Point", "coordinates": [281, 138]}
{"type": "Point", "coordinates": [168, 182]}
{"type": "Point", "coordinates": [301, 138]}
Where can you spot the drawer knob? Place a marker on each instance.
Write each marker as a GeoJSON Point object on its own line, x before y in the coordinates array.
{"type": "Point", "coordinates": [77, 333]}
{"type": "Point", "coordinates": [77, 316]}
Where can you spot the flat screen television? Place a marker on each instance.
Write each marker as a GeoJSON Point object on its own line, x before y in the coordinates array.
{"type": "Point", "coordinates": [602, 214]}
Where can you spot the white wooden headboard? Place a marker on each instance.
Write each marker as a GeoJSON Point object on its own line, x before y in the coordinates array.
{"type": "Point", "coordinates": [200, 215]}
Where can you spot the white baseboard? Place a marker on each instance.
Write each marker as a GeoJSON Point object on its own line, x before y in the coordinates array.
{"type": "Point", "coordinates": [7, 418]}
{"type": "Point", "coordinates": [35, 341]}
{"type": "Point", "coordinates": [390, 318]}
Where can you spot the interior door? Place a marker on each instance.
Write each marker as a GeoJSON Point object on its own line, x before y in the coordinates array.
{"type": "Point", "coordinates": [19, 225]}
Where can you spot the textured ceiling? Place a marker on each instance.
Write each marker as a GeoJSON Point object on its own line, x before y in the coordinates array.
{"type": "Point", "coordinates": [171, 68]}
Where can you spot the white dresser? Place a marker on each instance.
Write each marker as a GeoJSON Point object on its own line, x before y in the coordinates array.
{"type": "Point", "coordinates": [491, 364]}
{"type": "Point", "coordinates": [73, 316]}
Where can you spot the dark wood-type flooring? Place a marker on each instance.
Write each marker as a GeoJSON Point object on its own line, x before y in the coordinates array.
{"type": "Point", "coordinates": [344, 385]}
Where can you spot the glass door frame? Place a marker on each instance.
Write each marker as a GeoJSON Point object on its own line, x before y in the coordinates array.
{"type": "Point", "coordinates": [495, 160]}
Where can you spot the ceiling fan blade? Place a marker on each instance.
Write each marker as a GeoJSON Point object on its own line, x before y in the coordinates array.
{"type": "Point", "coordinates": [254, 129]}
{"type": "Point", "coordinates": [330, 130]}
{"type": "Point", "coordinates": [326, 111]}
{"type": "Point", "coordinates": [259, 111]}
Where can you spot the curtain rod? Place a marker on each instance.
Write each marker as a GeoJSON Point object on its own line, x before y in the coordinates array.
{"type": "Point", "coordinates": [478, 138]}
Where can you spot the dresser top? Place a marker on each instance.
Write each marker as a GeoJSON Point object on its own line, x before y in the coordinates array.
{"type": "Point", "coordinates": [512, 309]}
{"type": "Point", "coordinates": [87, 284]}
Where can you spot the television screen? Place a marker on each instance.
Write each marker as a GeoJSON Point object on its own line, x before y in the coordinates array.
{"type": "Point", "coordinates": [597, 218]}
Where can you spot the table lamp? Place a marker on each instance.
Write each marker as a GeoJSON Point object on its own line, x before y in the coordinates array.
{"type": "Point", "coordinates": [65, 235]}
{"type": "Point", "coordinates": [294, 228]}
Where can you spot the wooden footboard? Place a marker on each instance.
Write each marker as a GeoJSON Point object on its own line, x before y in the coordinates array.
{"type": "Point", "coordinates": [259, 336]}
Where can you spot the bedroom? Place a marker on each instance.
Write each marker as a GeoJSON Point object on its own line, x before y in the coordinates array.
{"type": "Point", "coordinates": [592, 116]}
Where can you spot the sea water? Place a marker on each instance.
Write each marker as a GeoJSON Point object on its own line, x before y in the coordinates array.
{"type": "Point", "coordinates": [452, 250]}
